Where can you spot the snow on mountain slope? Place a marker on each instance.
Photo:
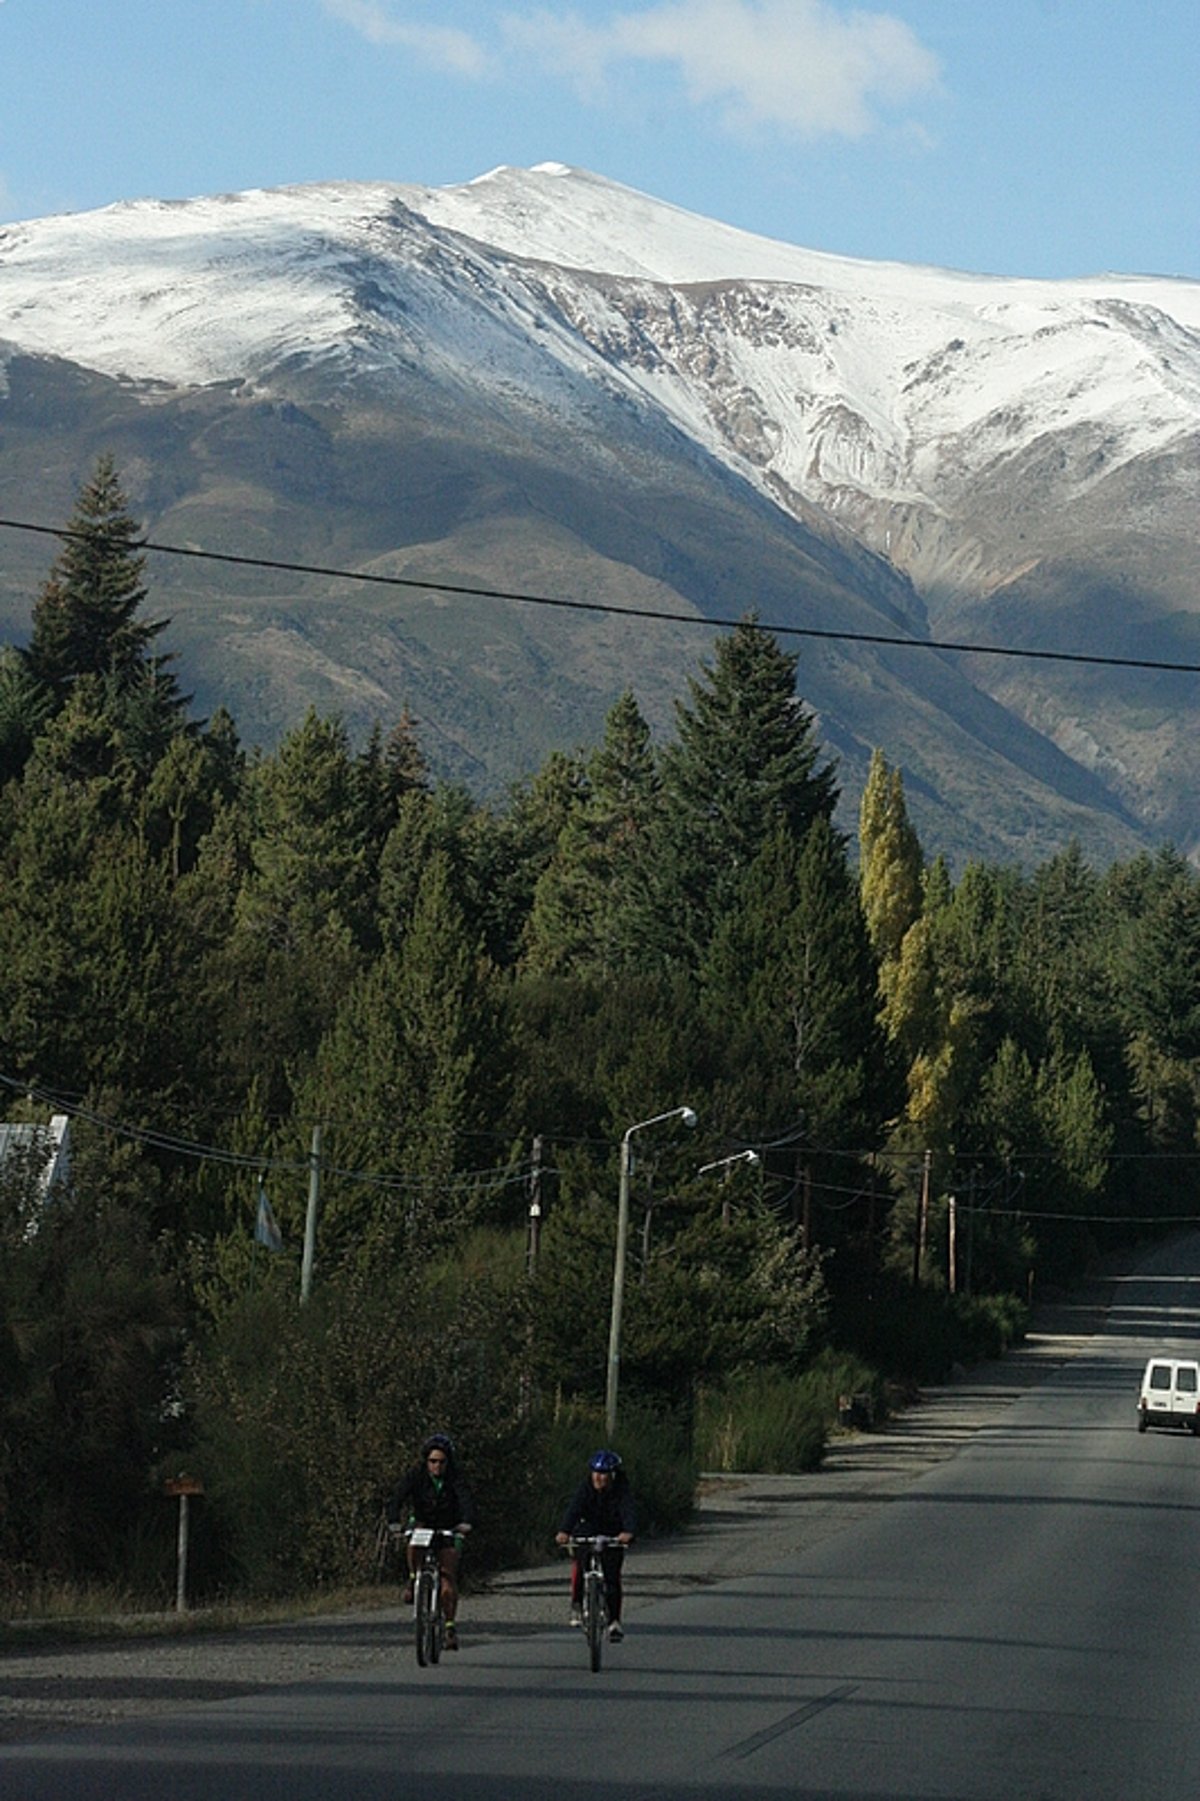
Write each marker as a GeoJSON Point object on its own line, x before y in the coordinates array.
{"type": "Point", "coordinates": [543, 352]}
{"type": "Point", "coordinates": [584, 221]}
{"type": "Point", "coordinates": [845, 382]}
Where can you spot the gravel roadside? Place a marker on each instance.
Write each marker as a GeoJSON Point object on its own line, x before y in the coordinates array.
{"type": "Point", "coordinates": [743, 1523]}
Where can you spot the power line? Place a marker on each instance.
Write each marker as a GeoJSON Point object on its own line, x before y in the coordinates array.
{"type": "Point", "coordinates": [468, 1181]}
{"type": "Point", "coordinates": [820, 633]}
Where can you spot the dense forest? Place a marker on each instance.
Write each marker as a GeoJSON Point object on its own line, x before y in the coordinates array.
{"type": "Point", "coordinates": [317, 987]}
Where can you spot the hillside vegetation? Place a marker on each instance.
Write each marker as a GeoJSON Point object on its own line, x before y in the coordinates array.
{"type": "Point", "coordinates": [315, 986]}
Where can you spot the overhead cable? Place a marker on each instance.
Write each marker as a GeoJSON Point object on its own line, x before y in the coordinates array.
{"type": "Point", "coordinates": [708, 623]}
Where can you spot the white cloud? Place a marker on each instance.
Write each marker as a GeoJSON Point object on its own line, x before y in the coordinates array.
{"type": "Point", "coordinates": [806, 66]}
{"type": "Point", "coordinates": [444, 47]}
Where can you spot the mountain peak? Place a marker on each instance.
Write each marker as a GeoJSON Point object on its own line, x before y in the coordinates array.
{"type": "Point", "coordinates": [964, 434]}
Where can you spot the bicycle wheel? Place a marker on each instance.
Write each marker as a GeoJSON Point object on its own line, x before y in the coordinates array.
{"type": "Point", "coordinates": [437, 1624]}
{"type": "Point", "coordinates": [596, 1615]}
{"type": "Point", "coordinates": [423, 1616]}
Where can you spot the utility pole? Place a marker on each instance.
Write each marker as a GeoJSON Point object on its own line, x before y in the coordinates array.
{"type": "Point", "coordinates": [952, 1243]}
{"type": "Point", "coordinates": [310, 1218]}
{"type": "Point", "coordinates": [535, 1206]}
{"type": "Point", "coordinates": [922, 1219]}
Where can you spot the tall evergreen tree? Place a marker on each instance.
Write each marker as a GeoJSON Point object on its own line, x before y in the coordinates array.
{"type": "Point", "coordinates": [790, 993]}
{"type": "Point", "coordinates": [87, 620]}
{"type": "Point", "coordinates": [25, 707]}
{"type": "Point", "coordinates": [399, 1075]}
{"type": "Point", "coordinates": [745, 764]}
{"type": "Point", "coordinates": [509, 849]}
{"type": "Point", "coordinates": [592, 910]}
{"type": "Point", "coordinates": [307, 848]}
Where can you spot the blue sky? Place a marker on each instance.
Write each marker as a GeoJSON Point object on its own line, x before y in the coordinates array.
{"type": "Point", "coordinates": [1016, 137]}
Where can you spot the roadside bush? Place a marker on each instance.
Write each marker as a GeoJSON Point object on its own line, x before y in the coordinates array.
{"type": "Point", "coordinates": [763, 1420]}
{"type": "Point", "coordinates": [305, 1416]}
{"type": "Point", "coordinates": [90, 1325]}
{"type": "Point", "coordinates": [919, 1334]}
{"type": "Point", "coordinates": [836, 1379]}
{"type": "Point", "coordinates": [988, 1324]}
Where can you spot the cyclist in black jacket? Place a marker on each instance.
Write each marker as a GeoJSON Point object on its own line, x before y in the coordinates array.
{"type": "Point", "coordinates": [602, 1506]}
{"type": "Point", "coordinates": [435, 1493]}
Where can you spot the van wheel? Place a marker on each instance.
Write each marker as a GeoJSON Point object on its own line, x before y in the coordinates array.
{"type": "Point", "coordinates": [1141, 1419]}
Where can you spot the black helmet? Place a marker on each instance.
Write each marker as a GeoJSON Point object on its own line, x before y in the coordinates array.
{"type": "Point", "coordinates": [438, 1441]}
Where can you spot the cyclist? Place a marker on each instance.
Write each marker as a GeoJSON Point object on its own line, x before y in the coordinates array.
{"type": "Point", "coordinates": [435, 1493]}
{"type": "Point", "coordinates": [602, 1506]}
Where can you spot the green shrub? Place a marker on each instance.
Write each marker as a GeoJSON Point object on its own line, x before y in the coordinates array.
{"type": "Point", "coordinates": [919, 1334]}
{"type": "Point", "coordinates": [987, 1325]}
{"type": "Point", "coordinates": [762, 1420]}
{"type": "Point", "coordinates": [304, 1418]}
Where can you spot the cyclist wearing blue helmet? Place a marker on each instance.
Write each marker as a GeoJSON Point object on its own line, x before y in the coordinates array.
{"type": "Point", "coordinates": [602, 1505]}
{"type": "Point", "coordinates": [434, 1493]}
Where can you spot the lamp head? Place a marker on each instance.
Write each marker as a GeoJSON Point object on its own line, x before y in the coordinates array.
{"type": "Point", "coordinates": [687, 1115]}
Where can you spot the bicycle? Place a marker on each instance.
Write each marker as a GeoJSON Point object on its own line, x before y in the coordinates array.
{"type": "Point", "coordinates": [593, 1592]}
{"type": "Point", "coordinates": [429, 1620]}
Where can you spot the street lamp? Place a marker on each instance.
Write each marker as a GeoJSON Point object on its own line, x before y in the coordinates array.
{"type": "Point", "coordinates": [706, 1169]}
{"type": "Point", "coordinates": [618, 1288]}
{"type": "Point", "coordinates": [727, 1163]}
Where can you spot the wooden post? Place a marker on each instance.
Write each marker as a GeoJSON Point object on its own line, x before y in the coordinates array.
{"type": "Point", "coordinates": [310, 1217]}
{"type": "Point", "coordinates": [184, 1487]}
{"type": "Point", "coordinates": [922, 1220]}
{"type": "Point", "coordinates": [535, 1207]}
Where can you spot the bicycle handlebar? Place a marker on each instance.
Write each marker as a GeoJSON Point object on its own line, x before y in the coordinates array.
{"type": "Point", "coordinates": [430, 1535]}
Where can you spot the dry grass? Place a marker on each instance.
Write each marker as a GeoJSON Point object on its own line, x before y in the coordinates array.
{"type": "Point", "coordinates": [56, 1614]}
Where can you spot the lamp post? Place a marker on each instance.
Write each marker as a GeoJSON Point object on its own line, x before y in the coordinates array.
{"type": "Point", "coordinates": [618, 1288]}
{"type": "Point", "coordinates": [727, 1163]}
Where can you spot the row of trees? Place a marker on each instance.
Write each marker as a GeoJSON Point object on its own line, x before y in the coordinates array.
{"type": "Point", "coordinates": [204, 954]}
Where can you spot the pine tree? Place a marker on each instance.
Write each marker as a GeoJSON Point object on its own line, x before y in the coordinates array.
{"type": "Point", "coordinates": [308, 846]}
{"type": "Point", "coordinates": [745, 764]}
{"type": "Point", "coordinates": [789, 985]}
{"type": "Point", "coordinates": [398, 1077]}
{"type": "Point", "coordinates": [25, 708]}
{"type": "Point", "coordinates": [86, 620]}
{"type": "Point", "coordinates": [592, 910]}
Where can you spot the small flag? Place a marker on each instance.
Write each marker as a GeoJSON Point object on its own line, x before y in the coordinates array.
{"type": "Point", "coordinates": [266, 1226]}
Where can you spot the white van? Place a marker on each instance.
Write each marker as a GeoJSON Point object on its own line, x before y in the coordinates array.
{"type": "Point", "coordinates": [1170, 1394]}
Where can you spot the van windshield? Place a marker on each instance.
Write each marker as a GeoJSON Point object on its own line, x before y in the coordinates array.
{"type": "Point", "coordinates": [1185, 1378]}
{"type": "Point", "coordinates": [1160, 1376]}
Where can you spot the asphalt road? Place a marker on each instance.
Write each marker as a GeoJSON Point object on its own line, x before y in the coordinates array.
{"type": "Point", "coordinates": [1017, 1622]}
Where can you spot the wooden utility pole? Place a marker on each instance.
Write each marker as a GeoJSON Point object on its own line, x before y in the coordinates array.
{"type": "Point", "coordinates": [535, 1206]}
{"type": "Point", "coordinates": [922, 1220]}
{"type": "Point", "coordinates": [310, 1218]}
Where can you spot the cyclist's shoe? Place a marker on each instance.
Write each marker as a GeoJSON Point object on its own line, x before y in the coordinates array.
{"type": "Point", "coordinates": [451, 1640]}
{"type": "Point", "coordinates": [406, 1595]}
{"type": "Point", "coordinates": [576, 1617]}
{"type": "Point", "coordinates": [616, 1633]}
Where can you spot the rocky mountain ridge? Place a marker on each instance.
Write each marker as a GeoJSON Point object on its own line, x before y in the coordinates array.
{"type": "Point", "coordinates": [543, 382]}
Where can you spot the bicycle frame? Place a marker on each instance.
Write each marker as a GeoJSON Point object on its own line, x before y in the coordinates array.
{"type": "Point", "coordinates": [429, 1621]}
{"type": "Point", "coordinates": [593, 1593]}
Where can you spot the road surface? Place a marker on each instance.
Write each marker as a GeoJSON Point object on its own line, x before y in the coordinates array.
{"type": "Point", "coordinates": [1019, 1623]}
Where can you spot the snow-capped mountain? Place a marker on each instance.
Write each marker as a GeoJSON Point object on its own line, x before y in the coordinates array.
{"type": "Point", "coordinates": [541, 376]}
